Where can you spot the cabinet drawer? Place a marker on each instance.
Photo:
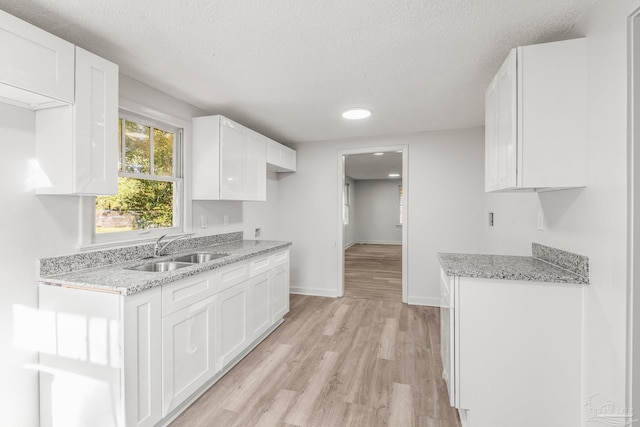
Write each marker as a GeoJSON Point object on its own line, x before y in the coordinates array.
{"type": "Point", "coordinates": [266, 262]}
{"type": "Point", "coordinates": [232, 275]}
{"type": "Point", "coordinates": [188, 291]}
{"type": "Point", "coordinates": [280, 258]}
{"type": "Point", "coordinates": [260, 264]}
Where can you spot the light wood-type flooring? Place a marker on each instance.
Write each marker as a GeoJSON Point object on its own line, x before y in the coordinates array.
{"type": "Point", "coordinates": [373, 272]}
{"type": "Point", "coordinates": [336, 362]}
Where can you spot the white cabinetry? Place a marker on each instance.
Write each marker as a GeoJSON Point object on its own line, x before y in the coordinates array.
{"type": "Point", "coordinates": [513, 353]}
{"type": "Point", "coordinates": [229, 161]}
{"type": "Point", "coordinates": [188, 351]}
{"type": "Point", "coordinates": [36, 68]}
{"type": "Point", "coordinates": [233, 321]}
{"type": "Point", "coordinates": [101, 358]}
{"type": "Point", "coordinates": [279, 290]}
{"type": "Point", "coordinates": [138, 360]}
{"type": "Point", "coordinates": [76, 145]}
{"type": "Point", "coordinates": [280, 158]}
{"type": "Point", "coordinates": [260, 305]}
{"type": "Point", "coordinates": [536, 119]}
{"type": "Point", "coordinates": [142, 368]}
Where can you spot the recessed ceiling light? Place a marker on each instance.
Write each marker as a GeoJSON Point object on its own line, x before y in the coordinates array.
{"type": "Point", "coordinates": [356, 114]}
{"type": "Point", "coordinates": [378, 154]}
{"type": "Point", "coordinates": [394, 175]}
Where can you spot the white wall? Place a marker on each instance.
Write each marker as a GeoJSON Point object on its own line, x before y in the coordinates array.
{"type": "Point", "coordinates": [444, 207]}
{"type": "Point", "coordinates": [32, 227]}
{"type": "Point", "coordinates": [378, 209]}
{"type": "Point", "coordinates": [589, 221]}
{"type": "Point", "coordinates": [349, 236]}
{"type": "Point", "coordinates": [35, 227]}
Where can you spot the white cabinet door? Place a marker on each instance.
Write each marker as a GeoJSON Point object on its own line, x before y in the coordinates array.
{"type": "Point", "coordinates": [507, 122]}
{"type": "Point", "coordinates": [536, 119]}
{"type": "Point", "coordinates": [188, 351]}
{"type": "Point", "coordinates": [280, 158]}
{"type": "Point", "coordinates": [232, 153]}
{"type": "Point", "coordinates": [260, 304]}
{"type": "Point", "coordinates": [142, 356]}
{"type": "Point", "coordinates": [229, 161]}
{"type": "Point", "coordinates": [255, 167]}
{"type": "Point", "coordinates": [36, 68]}
{"type": "Point", "coordinates": [77, 145]}
{"type": "Point", "coordinates": [233, 322]}
{"type": "Point", "coordinates": [279, 289]}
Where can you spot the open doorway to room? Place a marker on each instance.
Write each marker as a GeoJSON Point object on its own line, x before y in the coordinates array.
{"type": "Point", "coordinates": [373, 227]}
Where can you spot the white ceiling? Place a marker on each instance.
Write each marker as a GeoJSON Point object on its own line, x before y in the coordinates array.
{"type": "Point", "coordinates": [288, 68]}
{"type": "Point", "coordinates": [371, 166]}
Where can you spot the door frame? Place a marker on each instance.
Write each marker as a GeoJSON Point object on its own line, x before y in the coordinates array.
{"type": "Point", "coordinates": [405, 219]}
{"type": "Point", "coordinates": [633, 213]}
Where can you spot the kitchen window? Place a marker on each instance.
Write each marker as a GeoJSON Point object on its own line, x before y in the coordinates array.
{"type": "Point", "coordinates": [150, 183]}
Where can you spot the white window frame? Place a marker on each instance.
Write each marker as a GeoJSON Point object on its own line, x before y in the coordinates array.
{"type": "Point", "coordinates": [89, 239]}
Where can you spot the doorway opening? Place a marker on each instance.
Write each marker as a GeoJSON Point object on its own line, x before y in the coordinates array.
{"type": "Point", "coordinates": [373, 223]}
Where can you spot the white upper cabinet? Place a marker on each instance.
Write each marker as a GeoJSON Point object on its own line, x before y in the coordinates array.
{"type": "Point", "coordinates": [229, 161]}
{"type": "Point", "coordinates": [536, 119]}
{"type": "Point", "coordinates": [77, 145]}
{"type": "Point", "coordinates": [36, 68]}
{"type": "Point", "coordinates": [280, 158]}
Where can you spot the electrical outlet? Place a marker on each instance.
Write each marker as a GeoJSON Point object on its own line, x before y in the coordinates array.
{"type": "Point", "coordinates": [226, 220]}
{"type": "Point", "coordinates": [540, 220]}
{"type": "Point", "coordinates": [258, 231]}
{"type": "Point", "coordinates": [204, 223]}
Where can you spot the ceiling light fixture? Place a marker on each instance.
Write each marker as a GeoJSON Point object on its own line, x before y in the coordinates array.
{"type": "Point", "coordinates": [378, 154]}
{"type": "Point", "coordinates": [356, 114]}
{"type": "Point", "coordinates": [394, 175]}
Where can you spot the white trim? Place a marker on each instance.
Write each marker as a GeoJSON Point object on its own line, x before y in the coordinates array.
{"type": "Point", "coordinates": [316, 292]}
{"type": "Point", "coordinates": [377, 242]}
{"type": "Point", "coordinates": [405, 229]}
{"type": "Point", "coordinates": [632, 386]}
{"type": "Point", "coordinates": [426, 301]}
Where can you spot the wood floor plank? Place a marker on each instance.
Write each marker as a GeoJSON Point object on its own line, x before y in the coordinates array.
{"type": "Point", "coordinates": [303, 406]}
{"type": "Point", "coordinates": [336, 320]}
{"type": "Point", "coordinates": [387, 349]}
{"type": "Point", "coordinates": [401, 407]}
{"type": "Point", "coordinates": [252, 383]}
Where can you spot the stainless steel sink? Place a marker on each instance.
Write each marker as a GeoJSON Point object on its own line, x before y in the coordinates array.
{"type": "Point", "coordinates": [161, 266]}
{"type": "Point", "coordinates": [199, 258]}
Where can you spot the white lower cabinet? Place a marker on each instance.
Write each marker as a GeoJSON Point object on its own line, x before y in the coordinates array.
{"type": "Point", "coordinates": [233, 321]}
{"type": "Point", "coordinates": [513, 353]}
{"type": "Point", "coordinates": [260, 304]}
{"type": "Point", "coordinates": [142, 369]}
{"type": "Point", "coordinates": [136, 360]}
{"type": "Point", "coordinates": [279, 291]}
{"type": "Point", "coordinates": [100, 359]}
{"type": "Point", "coordinates": [188, 352]}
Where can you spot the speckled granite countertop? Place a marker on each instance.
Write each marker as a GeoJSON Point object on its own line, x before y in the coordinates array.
{"type": "Point", "coordinates": [115, 278]}
{"type": "Point", "coordinates": [526, 268]}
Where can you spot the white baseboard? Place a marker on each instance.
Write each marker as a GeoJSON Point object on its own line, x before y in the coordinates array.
{"type": "Point", "coordinates": [313, 292]}
{"type": "Point", "coordinates": [376, 242]}
{"type": "Point", "coordinates": [349, 245]}
{"type": "Point", "coordinates": [426, 301]}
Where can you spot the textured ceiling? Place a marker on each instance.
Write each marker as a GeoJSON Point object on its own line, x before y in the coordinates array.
{"type": "Point", "coordinates": [288, 68]}
{"type": "Point", "coordinates": [370, 166]}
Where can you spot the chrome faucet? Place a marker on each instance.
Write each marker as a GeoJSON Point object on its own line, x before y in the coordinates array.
{"type": "Point", "coordinates": [157, 249]}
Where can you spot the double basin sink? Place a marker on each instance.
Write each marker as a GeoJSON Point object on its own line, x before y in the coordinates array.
{"type": "Point", "coordinates": [178, 262]}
